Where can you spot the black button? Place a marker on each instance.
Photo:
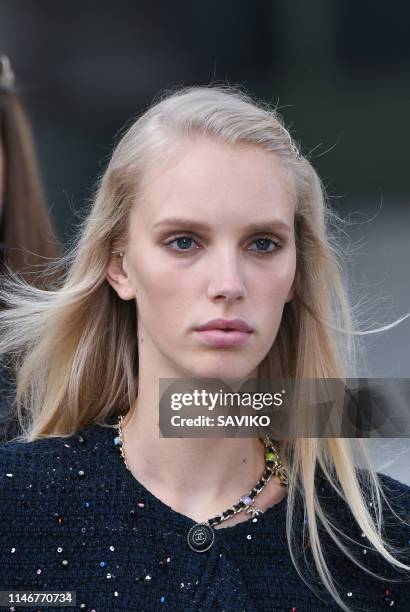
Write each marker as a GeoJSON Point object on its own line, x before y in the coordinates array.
{"type": "Point", "coordinates": [200, 537]}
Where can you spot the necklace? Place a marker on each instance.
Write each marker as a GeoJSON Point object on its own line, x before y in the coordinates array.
{"type": "Point", "coordinates": [201, 536]}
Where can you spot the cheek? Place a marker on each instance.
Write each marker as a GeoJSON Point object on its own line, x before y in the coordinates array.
{"type": "Point", "coordinates": [272, 292]}
{"type": "Point", "coordinates": [159, 291]}
{"type": "Point", "coordinates": [276, 285]}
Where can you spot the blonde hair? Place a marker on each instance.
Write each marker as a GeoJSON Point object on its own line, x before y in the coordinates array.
{"type": "Point", "coordinates": [80, 330]}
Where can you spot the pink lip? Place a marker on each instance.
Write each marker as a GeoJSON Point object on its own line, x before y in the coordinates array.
{"type": "Point", "coordinates": [223, 339]}
{"type": "Point", "coordinates": [233, 324]}
{"type": "Point", "coordinates": [224, 333]}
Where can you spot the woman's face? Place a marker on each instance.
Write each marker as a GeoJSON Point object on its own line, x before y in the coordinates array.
{"type": "Point", "coordinates": [183, 275]}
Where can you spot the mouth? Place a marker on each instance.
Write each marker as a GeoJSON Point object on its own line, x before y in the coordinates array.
{"type": "Point", "coordinates": [224, 338]}
{"type": "Point", "coordinates": [229, 325]}
{"type": "Point", "coordinates": [225, 333]}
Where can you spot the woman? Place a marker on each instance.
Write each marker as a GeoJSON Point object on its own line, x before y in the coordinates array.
{"type": "Point", "coordinates": [27, 233]}
{"type": "Point", "coordinates": [27, 237]}
{"type": "Point", "coordinates": [206, 210]}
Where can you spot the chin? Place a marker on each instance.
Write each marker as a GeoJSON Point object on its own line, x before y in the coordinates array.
{"type": "Point", "coordinates": [222, 370]}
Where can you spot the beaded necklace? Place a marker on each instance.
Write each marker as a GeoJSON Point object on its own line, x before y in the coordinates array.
{"type": "Point", "coordinates": [201, 536]}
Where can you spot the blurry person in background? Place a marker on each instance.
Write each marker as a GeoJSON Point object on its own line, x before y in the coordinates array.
{"type": "Point", "coordinates": [27, 237]}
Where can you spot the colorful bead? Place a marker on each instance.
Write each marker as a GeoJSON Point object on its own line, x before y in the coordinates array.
{"type": "Point", "coordinates": [246, 499]}
{"type": "Point", "coordinates": [270, 456]}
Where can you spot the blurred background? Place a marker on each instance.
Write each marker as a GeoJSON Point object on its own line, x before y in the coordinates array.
{"type": "Point", "coordinates": [338, 73]}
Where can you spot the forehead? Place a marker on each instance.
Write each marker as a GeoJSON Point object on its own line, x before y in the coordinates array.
{"type": "Point", "coordinates": [208, 179]}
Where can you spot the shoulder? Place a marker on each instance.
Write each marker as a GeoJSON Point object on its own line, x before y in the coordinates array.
{"type": "Point", "coordinates": [49, 444]}
{"type": "Point", "coordinates": [395, 499]}
{"type": "Point", "coordinates": [396, 512]}
{"type": "Point", "coordinates": [52, 475]}
{"type": "Point", "coordinates": [20, 452]}
{"type": "Point", "coordinates": [25, 467]}
{"type": "Point", "coordinates": [394, 507]}
{"type": "Point", "coordinates": [47, 457]}
{"type": "Point", "coordinates": [18, 456]}
{"type": "Point", "coordinates": [396, 492]}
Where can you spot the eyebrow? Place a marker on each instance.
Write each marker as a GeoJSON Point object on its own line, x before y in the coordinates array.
{"type": "Point", "coordinates": [261, 226]}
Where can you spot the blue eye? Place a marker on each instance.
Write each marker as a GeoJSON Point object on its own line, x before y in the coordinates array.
{"type": "Point", "coordinates": [264, 242]}
{"type": "Point", "coordinates": [182, 240]}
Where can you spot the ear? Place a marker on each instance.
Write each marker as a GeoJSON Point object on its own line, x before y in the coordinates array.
{"type": "Point", "coordinates": [118, 278]}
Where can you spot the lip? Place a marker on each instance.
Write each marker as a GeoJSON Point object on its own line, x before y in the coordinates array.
{"type": "Point", "coordinates": [238, 325]}
{"type": "Point", "coordinates": [223, 339]}
{"type": "Point", "coordinates": [214, 333]}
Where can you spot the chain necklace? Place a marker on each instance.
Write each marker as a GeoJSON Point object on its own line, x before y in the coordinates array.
{"type": "Point", "coordinates": [201, 536]}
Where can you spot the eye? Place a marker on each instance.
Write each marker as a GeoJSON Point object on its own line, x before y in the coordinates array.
{"type": "Point", "coordinates": [183, 243]}
{"type": "Point", "coordinates": [264, 243]}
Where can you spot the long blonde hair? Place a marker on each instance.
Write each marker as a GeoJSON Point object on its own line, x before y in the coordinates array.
{"type": "Point", "coordinates": [84, 336]}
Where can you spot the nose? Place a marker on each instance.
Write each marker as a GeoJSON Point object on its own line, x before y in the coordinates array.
{"type": "Point", "coordinates": [226, 279]}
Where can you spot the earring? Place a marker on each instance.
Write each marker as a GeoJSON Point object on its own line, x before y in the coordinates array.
{"type": "Point", "coordinates": [121, 254]}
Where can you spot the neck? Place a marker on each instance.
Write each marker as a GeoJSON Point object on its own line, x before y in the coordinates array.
{"type": "Point", "coordinates": [197, 477]}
